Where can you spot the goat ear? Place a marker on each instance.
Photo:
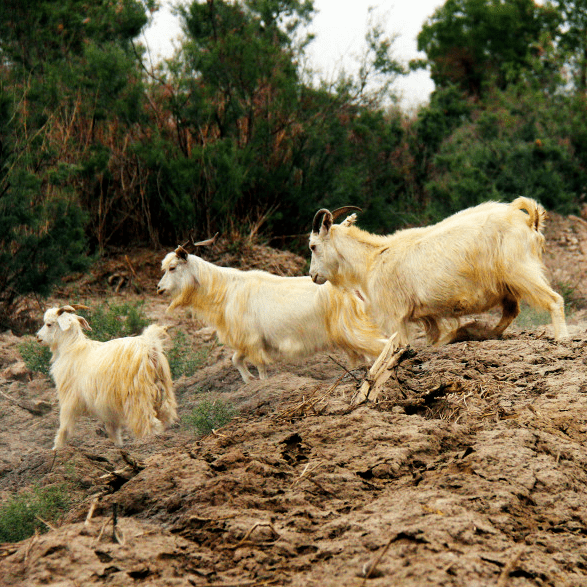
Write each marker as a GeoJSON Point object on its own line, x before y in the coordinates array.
{"type": "Point", "coordinates": [64, 321]}
{"type": "Point", "coordinates": [181, 253]}
{"type": "Point", "coordinates": [322, 221]}
{"type": "Point", "coordinates": [326, 224]}
{"type": "Point", "coordinates": [349, 220]}
{"type": "Point", "coordinates": [344, 210]}
{"type": "Point", "coordinates": [83, 322]}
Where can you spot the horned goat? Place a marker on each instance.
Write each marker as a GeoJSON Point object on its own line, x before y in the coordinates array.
{"type": "Point", "coordinates": [265, 317]}
{"type": "Point", "coordinates": [485, 256]}
{"type": "Point", "coordinates": [125, 382]}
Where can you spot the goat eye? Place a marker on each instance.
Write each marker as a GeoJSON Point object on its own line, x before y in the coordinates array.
{"type": "Point", "coordinates": [312, 248]}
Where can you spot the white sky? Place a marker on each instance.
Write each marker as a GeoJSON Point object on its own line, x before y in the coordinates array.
{"type": "Point", "coordinates": [340, 27]}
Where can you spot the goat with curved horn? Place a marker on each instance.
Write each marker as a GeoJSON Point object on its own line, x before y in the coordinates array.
{"type": "Point", "coordinates": [267, 318]}
{"type": "Point", "coordinates": [483, 257]}
{"type": "Point", "coordinates": [125, 382]}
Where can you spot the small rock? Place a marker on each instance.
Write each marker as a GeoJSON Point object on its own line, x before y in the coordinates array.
{"type": "Point", "coordinates": [17, 371]}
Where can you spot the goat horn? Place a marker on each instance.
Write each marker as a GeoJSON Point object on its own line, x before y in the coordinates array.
{"type": "Point", "coordinates": [340, 211]}
{"type": "Point", "coordinates": [181, 252]}
{"type": "Point", "coordinates": [190, 245]}
{"type": "Point", "coordinates": [318, 219]}
{"type": "Point", "coordinates": [209, 241]}
{"type": "Point", "coordinates": [63, 309]}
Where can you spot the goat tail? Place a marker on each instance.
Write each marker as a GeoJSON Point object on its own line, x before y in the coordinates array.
{"type": "Point", "coordinates": [536, 212]}
{"type": "Point", "coordinates": [151, 403]}
{"type": "Point", "coordinates": [166, 404]}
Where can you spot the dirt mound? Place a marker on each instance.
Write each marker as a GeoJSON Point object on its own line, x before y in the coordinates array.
{"type": "Point", "coordinates": [469, 470]}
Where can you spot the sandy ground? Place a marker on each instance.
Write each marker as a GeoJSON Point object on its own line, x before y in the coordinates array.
{"type": "Point", "coordinates": [470, 469]}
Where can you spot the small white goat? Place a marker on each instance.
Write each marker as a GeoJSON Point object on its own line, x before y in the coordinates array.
{"type": "Point", "coordinates": [125, 382]}
{"type": "Point", "coordinates": [265, 317]}
{"type": "Point", "coordinates": [479, 258]}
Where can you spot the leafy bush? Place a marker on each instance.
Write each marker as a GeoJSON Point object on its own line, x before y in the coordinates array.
{"type": "Point", "coordinates": [210, 415]}
{"type": "Point", "coordinates": [515, 146]}
{"type": "Point", "coordinates": [23, 513]}
{"type": "Point", "coordinates": [116, 320]}
{"type": "Point", "coordinates": [183, 357]}
{"type": "Point", "coordinates": [36, 356]}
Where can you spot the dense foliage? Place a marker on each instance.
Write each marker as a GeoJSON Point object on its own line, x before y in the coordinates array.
{"type": "Point", "coordinates": [236, 134]}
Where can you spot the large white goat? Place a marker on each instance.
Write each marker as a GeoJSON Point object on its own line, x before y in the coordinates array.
{"type": "Point", "coordinates": [265, 317]}
{"type": "Point", "coordinates": [485, 256]}
{"type": "Point", "coordinates": [125, 382]}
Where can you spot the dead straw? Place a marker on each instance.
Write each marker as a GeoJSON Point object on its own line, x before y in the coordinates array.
{"type": "Point", "coordinates": [309, 402]}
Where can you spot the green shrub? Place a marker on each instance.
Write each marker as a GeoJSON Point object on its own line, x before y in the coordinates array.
{"type": "Point", "coordinates": [210, 415]}
{"type": "Point", "coordinates": [110, 321]}
{"type": "Point", "coordinates": [21, 515]}
{"type": "Point", "coordinates": [184, 358]}
{"type": "Point", "coordinates": [36, 356]}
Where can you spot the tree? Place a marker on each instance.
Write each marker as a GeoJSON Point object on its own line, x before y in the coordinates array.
{"type": "Point", "coordinates": [473, 43]}
{"type": "Point", "coordinates": [571, 37]}
{"type": "Point", "coordinates": [70, 92]}
{"type": "Point", "coordinates": [37, 32]}
{"type": "Point", "coordinates": [516, 145]}
{"type": "Point", "coordinates": [41, 240]}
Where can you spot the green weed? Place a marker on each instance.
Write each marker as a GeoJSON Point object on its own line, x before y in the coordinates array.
{"type": "Point", "coordinates": [530, 318]}
{"type": "Point", "coordinates": [36, 356]}
{"type": "Point", "coordinates": [210, 415]}
{"type": "Point", "coordinates": [572, 299]}
{"type": "Point", "coordinates": [184, 358]}
{"type": "Point", "coordinates": [23, 513]}
{"type": "Point", "coordinates": [110, 321]}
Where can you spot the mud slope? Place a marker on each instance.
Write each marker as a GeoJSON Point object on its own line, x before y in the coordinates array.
{"type": "Point", "coordinates": [470, 470]}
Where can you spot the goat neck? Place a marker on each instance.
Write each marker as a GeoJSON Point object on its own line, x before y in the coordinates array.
{"type": "Point", "coordinates": [356, 251]}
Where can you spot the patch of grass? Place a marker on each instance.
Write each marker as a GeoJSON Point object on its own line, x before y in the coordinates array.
{"type": "Point", "coordinates": [183, 357]}
{"type": "Point", "coordinates": [210, 415]}
{"type": "Point", "coordinates": [36, 356]}
{"type": "Point", "coordinates": [19, 515]}
{"type": "Point", "coordinates": [573, 301]}
{"type": "Point", "coordinates": [530, 318]}
{"type": "Point", "coordinates": [110, 321]}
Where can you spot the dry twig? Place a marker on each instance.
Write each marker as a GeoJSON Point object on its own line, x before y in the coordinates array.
{"type": "Point", "coordinates": [380, 372]}
{"type": "Point", "coordinates": [309, 402]}
{"type": "Point", "coordinates": [510, 566]}
{"type": "Point", "coordinates": [30, 545]}
{"type": "Point", "coordinates": [369, 568]}
{"type": "Point", "coordinates": [91, 512]}
{"type": "Point", "coordinates": [245, 538]}
{"type": "Point", "coordinates": [51, 527]}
